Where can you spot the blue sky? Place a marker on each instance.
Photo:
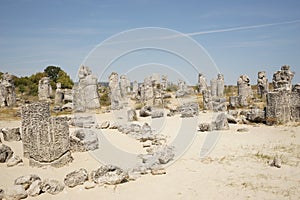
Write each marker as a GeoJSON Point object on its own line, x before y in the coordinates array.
{"type": "Point", "coordinates": [35, 34]}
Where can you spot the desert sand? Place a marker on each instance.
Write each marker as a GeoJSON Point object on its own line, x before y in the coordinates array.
{"type": "Point", "coordinates": [237, 167]}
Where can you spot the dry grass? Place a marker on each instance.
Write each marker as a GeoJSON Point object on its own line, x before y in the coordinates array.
{"type": "Point", "coordinates": [9, 114]}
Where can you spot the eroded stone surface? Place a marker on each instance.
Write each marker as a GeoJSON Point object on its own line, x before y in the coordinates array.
{"type": "Point", "coordinates": [7, 91]}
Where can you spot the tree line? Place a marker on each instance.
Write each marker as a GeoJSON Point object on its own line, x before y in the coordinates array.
{"type": "Point", "coordinates": [28, 85]}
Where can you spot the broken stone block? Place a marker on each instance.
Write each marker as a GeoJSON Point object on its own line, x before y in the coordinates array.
{"type": "Point", "coordinates": [109, 174]}
{"type": "Point", "coordinates": [83, 140]}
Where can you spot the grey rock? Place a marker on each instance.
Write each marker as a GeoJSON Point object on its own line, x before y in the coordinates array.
{"type": "Point", "coordinates": [67, 107]}
{"type": "Point", "coordinates": [205, 127]}
{"type": "Point", "coordinates": [7, 91]}
{"type": "Point", "coordinates": [115, 91]}
{"type": "Point", "coordinates": [105, 125]}
{"type": "Point", "coordinates": [262, 84]}
{"type": "Point", "coordinates": [276, 162]}
{"type": "Point", "coordinates": [5, 153]}
{"type": "Point", "coordinates": [242, 130]}
{"type": "Point", "coordinates": [75, 178]}
{"type": "Point", "coordinates": [145, 111]}
{"type": "Point", "coordinates": [221, 122]}
{"type": "Point", "coordinates": [189, 109]}
{"type": "Point", "coordinates": [231, 119]}
{"type": "Point", "coordinates": [35, 188]}
{"type": "Point", "coordinates": [256, 115]}
{"type": "Point", "coordinates": [52, 186]}
{"type": "Point", "coordinates": [282, 80]}
{"type": "Point", "coordinates": [15, 192]}
{"type": "Point", "coordinates": [11, 134]}
{"type": "Point", "coordinates": [109, 174]}
{"type": "Point", "coordinates": [158, 171]}
{"type": "Point", "coordinates": [157, 114]}
{"type": "Point", "coordinates": [13, 161]}
{"type": "Point", "coordinates": [202, 84]}
{"type": "Point", "coordinates": [83, 140]}
{"type": "Point", "coordinates": [89, 185]}
{"type": "Point", "coordinates": [82, 121]}
{"type": "Point", "coordinates": [26, 180]}
{"type": "Point", "coordinates": [131, 115]}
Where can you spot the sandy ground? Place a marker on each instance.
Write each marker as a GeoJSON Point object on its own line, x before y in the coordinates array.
{"type": "Point", "coordinates": [236, 168]}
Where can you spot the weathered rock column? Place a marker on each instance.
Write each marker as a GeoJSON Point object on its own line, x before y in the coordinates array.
{"type": "Point", "coordinates": [45, 139]}
{"type": "Point", "coordinates": [262, 84]}
{"type": "Point", "coordinates": [45, 89]}
{"type": "Point", "coordinates": [7, 91]}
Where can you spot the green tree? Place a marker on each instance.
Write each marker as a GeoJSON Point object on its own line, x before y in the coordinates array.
{"type": "Point", "coordinates": [52, 72]}
{"type": "Point", "coordinates": [65, 80]}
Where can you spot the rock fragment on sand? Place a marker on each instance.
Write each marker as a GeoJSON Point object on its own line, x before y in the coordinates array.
{"type": "Point", "coordinates": [52, 186]}
{"type": "Point", "coordinates": [89, 185]}
{"type": "Point", "coordinates": [35, 188]}
{"type": "Point", "coordinates": [26, 180]}
{"type": "Point", "coordinates": [83, 140]}
{"type": "Point", "coordinates": [5, 153]}
{"type": "Point", "coordinates": [158, 171]}
{"type": "Point", "coordinates": [75, 178]}
{"type": "Point", "coordinates": [109, 174]}
{"type": "Point", "coordinates": [276, 162]}
{"type": "Point", "coordinates": [13, 161]}
{"type": "Point", "coordinates": [242, 130]}
{"type": "Point", "coordinates": [15, 192]}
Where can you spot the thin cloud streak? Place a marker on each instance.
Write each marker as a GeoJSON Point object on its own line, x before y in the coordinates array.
{"type": "Point", "coordinates": [242, 28]}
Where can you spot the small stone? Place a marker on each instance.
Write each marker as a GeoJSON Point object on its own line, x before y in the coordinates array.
{"type": "Point", "coordinates": [158, 171]}
{"type": "Point", "coordinates": [105, 125]}
{"type": "Point", "coordinates": [276, 162]}
{"type": "Point", "coordinates": [89, 185]}
{"type": "Point", "coordinates": [27, 180]}
{"type": "Point", "coordinates": [15, 160]}
{"type": "Point", "coordinates": [242, 130]}
{"type": "Point", "coordinates": [11, 134]}
{"type": "Point", "coordinates": [16, 192]}
{"type": "Point", "coordinates": [52, 186]}
{"type": "Point", "coordinates": [75, 178]}
{"type": "Point", "coordinates": [35, 188]}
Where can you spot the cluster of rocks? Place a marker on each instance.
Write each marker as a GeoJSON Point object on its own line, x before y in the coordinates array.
{"type": "Point", "coordinates": [62, 96]}
{"type": "Point", "coordinates": [147, 111]}
{"type": "Point", "coordinates": [182, 89]}
{"type": "Point", "coordinates": [11, 134]}
{"type": "Point", "coordinates": [85, 93]}
{"type": "Point", "coordinates": [31, 186]}
{"type": "Point", "coordinates": [213, 98]}
{"type": "Point", "coordinates": [45, 138]}
{"type": "Point", "coordinates": [7, 91]}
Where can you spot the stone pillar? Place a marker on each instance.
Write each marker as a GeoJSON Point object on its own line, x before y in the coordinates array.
{"type": "Point", "coordinates": [7, 91]}
{"type": "Point", "coordinates": [85, 93]}
{"type": "Point", "coordinates": [244, 89]}
{"type": "Point", "coordinates": [220, 85]}
{"type": "Point", "coordinates": [213, 87]}
{"type": "Point", "coordinates": [45, 139]}
{"type": "Point", "coordinates": [164, 82]}
{"type": "Point", "coordinates": [202, 85]}
{"type": "Point", "coordinates": [115, 93]}
{"type": "Point", "coordinates": [282, 80]}
{"type": "Point", "coordinates": [207, 100]}
{"type": "Point", "coordinates": [262, 84]}
{"type": "Point", "coordinates": [59, 94]}
{"type": "Point", "coordinates": [45, 89]}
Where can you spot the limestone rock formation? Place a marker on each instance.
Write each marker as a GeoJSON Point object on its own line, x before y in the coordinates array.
{"type": "Point", "coordinates": [220, 85]}
{"type": "Point", "coordinates": [115, 91]}
{"type": "Point", "coordinates": [85, 93]}
{"type": "Point", "coordinates": [59, 94]}
{"type": "Point", "coordinates": [45, 139]}
{"type": "Point", "coordinates": [83, 140]}
{"type": "Point", "coordinates": [13, 161]}
{"type": "Point", "coordinates": [52, 186]}
{"type": "Point", "coordinates": [202, 85]}
{"type": "Point", "coordinates": [45, 89]}
{"type": "Point", "coordinates": [131, 115]}
{"type": "Point", "coordinates": [7, 91]}
{"type": "Point", "coordinates": [16, 192]}
{"type": "Point", "coordinates": [5, 153]}
{"type": "Point", "coordinates": [220, 123]}
{"type": "Point", "coordinates": [282, 80]}
{"type": "Point", "coordinates": [262, 84]}
{"type": "Point", "coordinates": [27, 180]}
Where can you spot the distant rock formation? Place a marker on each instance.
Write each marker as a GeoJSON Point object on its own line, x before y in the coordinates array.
{"type": "Point", "coordinates": [7, 91]}
{"type": "Point", "coordinates": [262, 84]}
